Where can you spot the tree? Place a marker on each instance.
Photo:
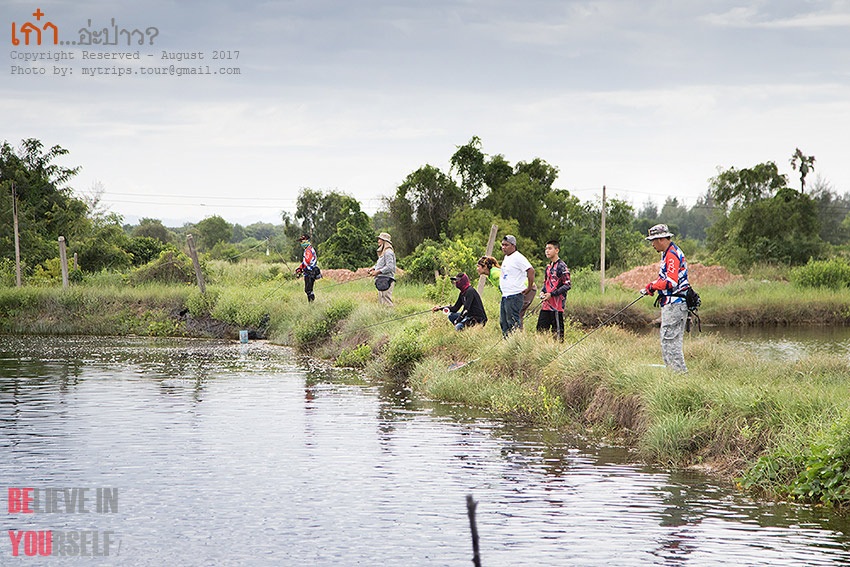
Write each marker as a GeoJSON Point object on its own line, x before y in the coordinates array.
{"type": "Point", "coordinates": [470, 163]}
{"type": "Point", "coordinates": [833, 210]}
{"type": "Point", "coordinates": [153, 228]}
{"type": "Point", "coordinates": [46, 207]}
{"type": "Point", "coordinates": [351, 246]}
{"type": "Point", "coordinates": [422, 206]}
{"type": "Point", "coordinates": [768, 222]}
{"type": "Point", "coordinates": [213, 230]}
{"type": "Point", "coordinates": [806, 163]}
{"type": "Point", "coordinates": [320, 213]}
{"type": "Point", "coordinates": [746, 186]}
{"type": "Point", "coordinates": [105, 247]}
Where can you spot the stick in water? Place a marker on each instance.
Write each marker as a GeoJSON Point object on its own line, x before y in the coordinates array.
{"type": "Point", "coordinates": [470, 510]}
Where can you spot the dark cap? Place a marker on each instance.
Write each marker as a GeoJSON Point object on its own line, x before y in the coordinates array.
{"type": "Point", "coordinates": [303, 237]}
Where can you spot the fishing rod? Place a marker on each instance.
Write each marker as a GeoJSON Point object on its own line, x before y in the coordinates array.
{"type": "Point", "coordinates": [605, 322]}
{"type": "Point", "coordinates": [358, 278]}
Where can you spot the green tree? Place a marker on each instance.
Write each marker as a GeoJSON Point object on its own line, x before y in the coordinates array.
{"type": "Point", "coordinates": [213, 230]}
{"type": "Point", "coordinates": [470, 163]}
{"type": "Point", "coordinates": [46, 206]}
{"type": "Point", "coordinates": [744, 187]}
{"type": "Point", "coordinates": [783, 228]}
{"type": "Point", "coordinates": [833, 210]}
{"type": "Point", "coordinates": [105, 247]}
{"type": "Point", "coordinates": [351, 246]}
{"type": "Point", "coordinates": [422, 206]}
{"type": "Point", "coordinates": [321, 212]}
{"type": "Point", "coordinates": [805, 163]}
{"type": "Point", "coordinates": [153, 228]}
{"type": "Point", "coordinates": [144, 249]}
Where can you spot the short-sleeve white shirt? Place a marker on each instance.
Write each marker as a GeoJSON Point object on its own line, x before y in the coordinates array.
{"type": "Point", "coordinates": [514, 274]}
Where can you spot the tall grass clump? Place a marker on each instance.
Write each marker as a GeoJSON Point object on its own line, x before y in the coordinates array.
{"type": "Point", "coordinates": [318, 325]}
{"type": "Point", "coordinates": [832, 274]}
{"type": "Point", "coordinates": [404, 351]}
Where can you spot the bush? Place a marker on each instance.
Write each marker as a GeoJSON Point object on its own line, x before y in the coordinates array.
{"type": "Point", "coordinates": [310, 332]}
{"type": "Point", "coordinates": [404, 351]}
{"type": "Point", "coordinates": [832, 274]}
{"type": "Point", "coordinates": [448, 258]}
{"type": "Point", "coordinates": [202, 304]}
{"type": "Point", "coordinates": [356, 357]}
{"type": "Point", "coordinates": [172, 266]}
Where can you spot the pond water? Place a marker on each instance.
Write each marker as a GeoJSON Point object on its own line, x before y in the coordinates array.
{"type": "Point", "coordinates": [213, 453]}
{"type": "Point", "coordinates": [788, 343]}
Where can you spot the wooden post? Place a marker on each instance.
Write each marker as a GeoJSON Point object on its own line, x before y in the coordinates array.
{"type": "Point", "coordinates": [602, 245]}
{"type": "Point", "coordinates": [491, 242]}
{"type": "Point", "coordinates": [63, 262]}
{"type": "Point", "coordinates": [194, 254]}
{"type": "Point", "coordinates": [17, 236]}
{"type": "Point", "coordinates": [75, 261]}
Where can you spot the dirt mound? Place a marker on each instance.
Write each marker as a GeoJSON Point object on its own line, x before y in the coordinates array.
{"type": "Point", "coordinates": [699, 276]}
{"type": "Point", "coordinates": [340, 275]}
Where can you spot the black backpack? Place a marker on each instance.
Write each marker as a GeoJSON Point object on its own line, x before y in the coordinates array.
{"type": "Point", "coordinates": [693, 302]}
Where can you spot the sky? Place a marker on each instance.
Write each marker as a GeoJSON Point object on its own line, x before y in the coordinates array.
{"type": "Point", "coordinates": [647, 98]}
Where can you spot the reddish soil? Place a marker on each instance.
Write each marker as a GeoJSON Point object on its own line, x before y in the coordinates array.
{"type": "Point", "coordinates": [699, 276]}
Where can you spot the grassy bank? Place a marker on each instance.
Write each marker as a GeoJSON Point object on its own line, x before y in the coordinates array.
{"type": "Point", "coordinates": [777, 427]}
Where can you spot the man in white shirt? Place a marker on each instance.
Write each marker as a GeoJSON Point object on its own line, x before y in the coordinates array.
{"type": "Point", "coordinates": [517, 279]}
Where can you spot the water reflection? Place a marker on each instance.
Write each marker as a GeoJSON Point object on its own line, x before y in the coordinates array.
{"type": "Point", "coordinates": [242, 454]}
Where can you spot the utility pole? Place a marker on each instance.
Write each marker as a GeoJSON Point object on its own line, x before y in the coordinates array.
{"type": "Point", "coordinates": [602, 245]}
{"type": "Point", "coordinates": [17, 236]}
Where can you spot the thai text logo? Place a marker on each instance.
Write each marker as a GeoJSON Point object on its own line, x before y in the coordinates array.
{"type": "Point", "coordinates": [47, 33]}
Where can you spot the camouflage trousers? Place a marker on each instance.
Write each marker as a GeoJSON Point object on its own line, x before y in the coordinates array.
{"type": "Point", "coordinates": [673, 317]}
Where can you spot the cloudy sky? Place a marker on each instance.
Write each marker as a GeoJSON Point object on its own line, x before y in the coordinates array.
{"type": "Point", "coordinates": [648, 97]}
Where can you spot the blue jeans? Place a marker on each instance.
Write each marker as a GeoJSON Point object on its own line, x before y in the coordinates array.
{"type": "Point", "coordinates": [509, 310]}
{"type": "Point", "coordinates": [455, 320]}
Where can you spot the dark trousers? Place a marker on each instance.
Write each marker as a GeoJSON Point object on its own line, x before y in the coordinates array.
{"type": "Point", "coordinates": [308, 286]}
{"type": "Point", "coordinates": [551, 320]}
{"type": "Point", "coordinates": [509, 313]}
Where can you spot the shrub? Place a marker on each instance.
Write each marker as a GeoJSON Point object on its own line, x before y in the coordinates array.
{"type": "Point", "coordinates": [356, 357]}
{"type": "Point", "coordinates": [832, 274]}
{"type": "Point", "coordinates": [404, 351]}
{"type": "Point", "coordinates": [201, 304]}
{"type": "Point", "coordinates": [310, 332]}
{"type": "Point", "coordinates": [172, 266]}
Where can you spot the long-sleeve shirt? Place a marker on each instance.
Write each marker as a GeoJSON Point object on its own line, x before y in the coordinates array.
{"type": "Point", "coordinates": [672, 276]}
{"type": "Point", "coordinates": [471, 305]}
{"type": "Point", "coordinates": [557, 283]}
{"type": "Point", "coordinates": [386, 263]}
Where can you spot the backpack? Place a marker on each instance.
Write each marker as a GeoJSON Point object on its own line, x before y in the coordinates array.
{"type": "Point", "coordinates": [693, 302]}
{"type": "Point", "coordinates": [692, 299]}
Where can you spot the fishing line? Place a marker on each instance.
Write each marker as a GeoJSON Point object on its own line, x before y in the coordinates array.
{"type": "Point", "coordinates": [458, 365]}
{"type": "Point", "coordinates": [608, 320]}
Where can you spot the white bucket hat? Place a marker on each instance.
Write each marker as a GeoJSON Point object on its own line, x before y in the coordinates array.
{"type": "Point", "coordinates": [659, 231]}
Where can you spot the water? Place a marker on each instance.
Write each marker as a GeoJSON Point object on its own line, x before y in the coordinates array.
{"type": "Point", "coordinates": [788, 343]}
{"type": "Point", "coordinates": [232, 454]}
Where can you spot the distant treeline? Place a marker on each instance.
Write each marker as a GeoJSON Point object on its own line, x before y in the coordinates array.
{"type": "Point", "coordinates": [439, 220]}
